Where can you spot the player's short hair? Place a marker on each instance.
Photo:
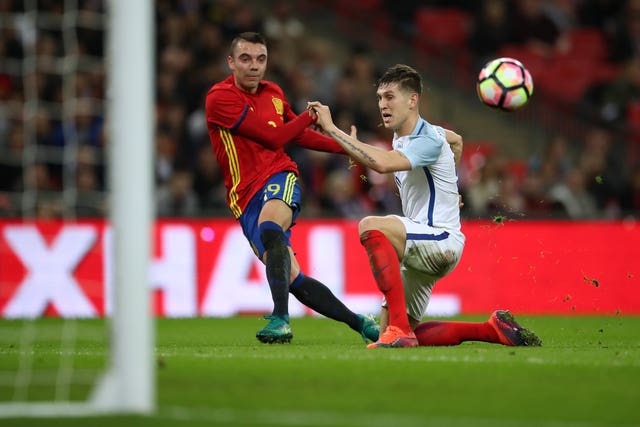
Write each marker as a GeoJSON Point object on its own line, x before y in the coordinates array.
{"type": "Point", "coordinates": [248, 36]}
{"type": "Point", "coordinates": [405, 76]}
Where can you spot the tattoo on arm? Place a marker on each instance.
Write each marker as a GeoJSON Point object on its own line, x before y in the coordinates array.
{"type": "Point", "coordinates": [352, 149]}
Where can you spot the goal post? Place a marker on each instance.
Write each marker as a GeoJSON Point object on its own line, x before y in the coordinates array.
{"type": "Point", "coordinates": [128, 383]}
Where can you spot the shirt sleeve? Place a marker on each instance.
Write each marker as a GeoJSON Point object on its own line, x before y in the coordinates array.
{"type": "Point", "coordinates": [424, 149]}
{"type": "Point", "coordinates": [317, 141]}
{"type": "Point", "coordinates": [227, 110]}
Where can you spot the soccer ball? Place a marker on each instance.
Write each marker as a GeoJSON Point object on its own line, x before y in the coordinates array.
{"type": "Point", "coordinates": [504, 83]}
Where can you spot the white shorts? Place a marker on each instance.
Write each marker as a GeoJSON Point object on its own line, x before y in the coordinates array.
{"type": "Point", "coordinates": [429, 255]}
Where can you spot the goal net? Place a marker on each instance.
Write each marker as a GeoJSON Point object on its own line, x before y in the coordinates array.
{"type": "Point", "coordinates": [76, 98]}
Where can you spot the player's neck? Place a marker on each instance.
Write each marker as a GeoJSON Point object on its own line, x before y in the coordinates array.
{"type": "Point", "coordinates": [407, 127]}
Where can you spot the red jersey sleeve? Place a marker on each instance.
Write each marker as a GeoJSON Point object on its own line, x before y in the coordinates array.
{"type": "Point", "coordinates": [269, 136]}
{"type": "Point", "coordinates": [319, 142]}
{"type": "Point", "coordinates": [227, 109]}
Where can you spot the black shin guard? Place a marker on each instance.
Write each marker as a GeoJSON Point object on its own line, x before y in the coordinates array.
{"type": "Point", "coordinates": [319, 298]}
{"type": "Point", "coordinates": [278, 262]}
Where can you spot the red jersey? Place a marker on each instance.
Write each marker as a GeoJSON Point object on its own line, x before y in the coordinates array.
{"type": "Point", "coordinates": [248, 133]}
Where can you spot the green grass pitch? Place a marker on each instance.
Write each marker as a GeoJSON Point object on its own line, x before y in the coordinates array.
{"type": "Point", "coordinates": [213, 372]}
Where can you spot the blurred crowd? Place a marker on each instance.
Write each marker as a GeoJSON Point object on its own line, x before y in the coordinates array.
{"type": "Point", "coordinates": [52, 92]}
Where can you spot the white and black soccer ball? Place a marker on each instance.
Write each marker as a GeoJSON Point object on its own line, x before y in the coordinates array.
{"type": "Point", "coordinates": [504, 83]}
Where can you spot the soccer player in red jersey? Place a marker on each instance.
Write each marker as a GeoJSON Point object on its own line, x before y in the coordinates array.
{"type": "Point", "coordinates": [249, 123]}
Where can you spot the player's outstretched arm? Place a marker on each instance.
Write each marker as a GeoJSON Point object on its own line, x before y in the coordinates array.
{"type": "Point", "coordinates": [273, 137]}
{"type": "Point", "coordinates": [226, 110]}
{"type": "Point", "coordinates": [379, 160]}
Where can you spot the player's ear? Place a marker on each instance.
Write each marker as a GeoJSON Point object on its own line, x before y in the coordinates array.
{"type": "Point", "coordinates": [413, 100]}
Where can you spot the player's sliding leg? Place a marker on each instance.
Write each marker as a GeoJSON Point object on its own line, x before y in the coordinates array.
{"type": "Point", "coordinates": [386, 271]}
{"type": "Point", "coordinates": [278, 267]}
{"type": "Point", "coordinates": [439, 333]}
{"type": "Point", "coordinates": [501, 328]}
{"type": "Point", "coordinates": [319, 298]}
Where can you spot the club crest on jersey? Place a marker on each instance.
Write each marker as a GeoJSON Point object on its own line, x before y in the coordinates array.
{"type": "Point", "coordinates": [277, 103]}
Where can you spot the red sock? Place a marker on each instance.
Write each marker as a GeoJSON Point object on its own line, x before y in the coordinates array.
{"type": "Point", "coordinates": [386, 270]}
{"type": "Point", "coordinates": [436, 332]}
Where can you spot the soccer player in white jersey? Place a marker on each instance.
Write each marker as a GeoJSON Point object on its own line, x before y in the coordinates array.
{"type": "Point", "coordinates": [409, 253]}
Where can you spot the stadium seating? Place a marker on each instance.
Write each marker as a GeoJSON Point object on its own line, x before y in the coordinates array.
{"type": "Point", "coordinates": [518, 168]}
{"type": "Point", "coordinates": [567, 79]}
{"type": "Point", "coordinates": [564, 77]}
{"type": "Point", "coordinates": [353, 16]}
{"type": "Point", "coordinates": [588, 44]}
{"type": "Point", "coordinates": [442, 33]}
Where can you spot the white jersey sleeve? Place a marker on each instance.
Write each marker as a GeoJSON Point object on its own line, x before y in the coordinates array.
{"type": "Point", "coordinates": [424, 149]}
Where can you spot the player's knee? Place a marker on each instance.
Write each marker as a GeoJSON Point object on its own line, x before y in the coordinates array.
{"type": "Point", "coordinates": [366, 224]}
{"type": "Point", "coordinates": [271, 235]}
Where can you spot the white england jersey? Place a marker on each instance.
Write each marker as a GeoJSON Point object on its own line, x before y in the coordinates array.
{"type": "Point", "coordinates": [429, 191]}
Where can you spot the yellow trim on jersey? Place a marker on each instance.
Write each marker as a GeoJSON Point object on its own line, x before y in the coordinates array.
{"type": "Point", "coordinates": [234, 169]}
{"type": "Point", "coordinates": [289, 186]}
